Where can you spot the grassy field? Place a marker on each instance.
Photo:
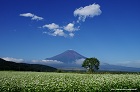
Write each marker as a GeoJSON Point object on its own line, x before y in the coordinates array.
{"type": "Point", "coordinates": [11, 81]}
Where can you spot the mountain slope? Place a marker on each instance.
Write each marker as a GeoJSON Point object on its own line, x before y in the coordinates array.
{"type": "Point", "coordinates": [9, 65]}
{"type": "Point", "coordinates": [110, 67]}
{"type": "Point", "coordinates": [67, 57]}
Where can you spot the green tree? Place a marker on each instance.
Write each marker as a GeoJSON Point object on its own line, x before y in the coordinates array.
{"type": "Point", "coordinates": [91, 64]}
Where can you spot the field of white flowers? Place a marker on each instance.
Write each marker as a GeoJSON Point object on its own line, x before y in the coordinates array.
{"type": "Point", "coordinates": [67, 82]}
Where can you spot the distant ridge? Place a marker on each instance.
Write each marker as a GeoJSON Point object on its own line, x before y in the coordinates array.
{"type": "Point", "coordinates": [118, 68]}
{"type": "Point", "coordinates": [67, 57]}
{"type": "Point", "coordinates": [9, 65]}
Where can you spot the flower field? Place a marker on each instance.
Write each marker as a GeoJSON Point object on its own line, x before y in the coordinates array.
{"type": "Point", "coordinates": [11, 81]}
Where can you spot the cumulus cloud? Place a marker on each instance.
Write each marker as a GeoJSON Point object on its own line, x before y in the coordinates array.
{"type": "Point", "coordinates": [70, 27]}
{"type": "Point", "coordinates": [58, 32]}
{"type": "Point", "coordinates": [79, 61]}
{"type": "Point", "coordinates": [68, 30]}
{"type": "Point", "coordinates": [47, 61]}
{"type": "Point", "coordinates": [51, 26]}
{"type": "Point", "coordinates": [55, 30]}
{"type": "Point", "coordinates": [87, 11]}
{"type": "Point", "coordinates": [37, 18]}
{"type": "Point", "coordinates": [33, 17]}
{"type": "Point", "coordinates": [13, 59]}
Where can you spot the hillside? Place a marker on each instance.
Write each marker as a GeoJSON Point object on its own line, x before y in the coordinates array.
{"type": "Point", "coordinates": [67, 56]}
{"type": "Point", "coordinates": [9, 65]}
{"type": "Point", "coordinates": [110, 67]}
{"type": "Point", "coordinates": [70, 58]}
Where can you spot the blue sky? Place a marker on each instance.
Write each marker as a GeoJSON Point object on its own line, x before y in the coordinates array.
{"type": "Point", "coordinates": [38, 29]}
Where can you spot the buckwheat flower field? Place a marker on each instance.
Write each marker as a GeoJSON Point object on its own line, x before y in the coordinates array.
{"type": "Point", "coordinates": [67, 82]}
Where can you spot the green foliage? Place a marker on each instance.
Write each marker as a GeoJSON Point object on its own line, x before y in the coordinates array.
{"type": "Point", "coordinates": [91, 64]}
{"type": "Point", "coordinates": [66, 82]}
{"type": "Point", "coordinates": [59, 71]}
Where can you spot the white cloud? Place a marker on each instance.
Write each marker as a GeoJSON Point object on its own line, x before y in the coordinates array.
{"type": "Point", "coordinates": [51, 26]}
{"type": "Point", "coordinates": [68, 30]}
{"type": "Point", "coordinates": [71, 34]}
{"type": "Point", "coordinates": [87, 11]}
{"type": "Point", "coordinates": [58, 32]}
{"type": "Point", "coordinates": [47, 61]}
{"type": "Point", "coordinates": [52, 61]}
{"type": "Point", "coordinates": [13, 59]}
{"type": "Point", "coordinates": [37, 18]}
{"type": "Point", "coordinates": [27, 15]}
{"type": "Point", "coordinates": [33, 17]}
{"type": "Point", "coordinates": [55, 30]}
{"type": "Point", "coordinates": [79, 61]}
{"type": "Point", "coordinates": [130, 64]}
{"type": "Point", "coordinates": [70, 27]}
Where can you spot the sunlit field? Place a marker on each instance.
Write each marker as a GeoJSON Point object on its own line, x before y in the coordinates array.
{"type": "Point", "coordinates": [66, 82]}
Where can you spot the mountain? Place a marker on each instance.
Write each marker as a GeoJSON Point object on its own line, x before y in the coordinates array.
{"type": "Point", "coordinates": [73, 60]}
{"type": "Point", "coordinates": [9, 65]}
{"type": "Point", "coordinates": [67, 57]}
{"type": "Point", "coordinates": [110, 67]}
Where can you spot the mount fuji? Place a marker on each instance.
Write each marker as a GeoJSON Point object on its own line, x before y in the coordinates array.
{"type": "Point", "coordinates": [71, 60]}
{"type": "Point", "coordinates": [68, 56]}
